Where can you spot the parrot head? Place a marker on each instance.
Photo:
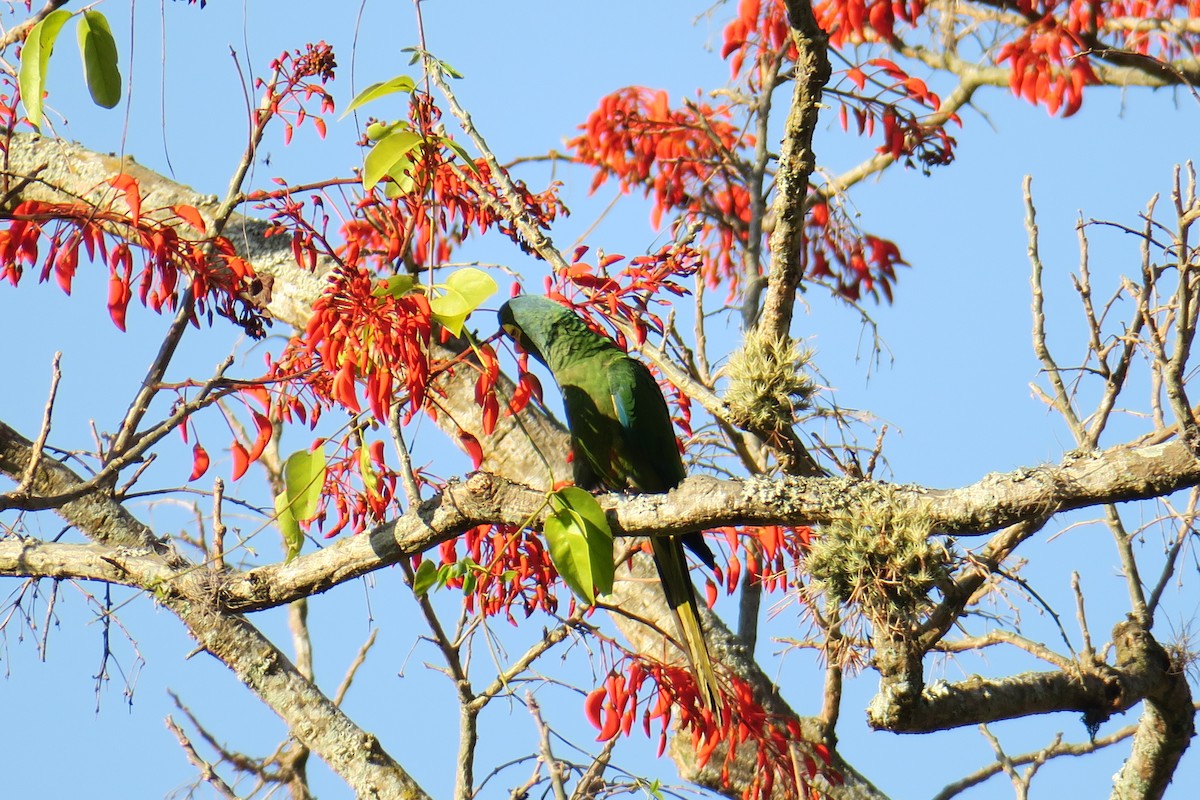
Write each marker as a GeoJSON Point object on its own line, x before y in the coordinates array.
{"type": "Point", "coordinates": [553, 334]}
{"type": "Point", "coordinates": [526, 320]}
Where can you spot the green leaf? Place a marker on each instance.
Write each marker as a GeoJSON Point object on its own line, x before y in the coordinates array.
{"type": "Point", "coordinates": [450, 308]}
{"type": "Point", "coordinates": [366, 468]}
{"type": "Point", "coordinates": [580, 542]}
{"type": "Point", "coordinates": [463, 292]}
{"type": "Point", "coordinates": [99, 53]}
{"type": "Point", "coordinates": [386, 153]}
{"type": "Point", "coordinates": [426, 577]}
{"type": "Point", "coordinates": [400, 83]}
{"type": "Point", "coordinates": [35, 58]}
{"type": "Point", "coordinates": [293, 537]}
{"type": "Point", "coordinates": [303, 478]}
{"type": "Point", "coordinates": [475, 286]}
{"type": "Point", "coordinates": [461, 152]}
{"type": "Point", "coordinates": [449, 70]}
{"type": "Point", "coordinates": [403, 175]}
{"type": "Point", "coordinates": [378, 130]}
{"type": "Point", "coordinates": [396, 286]}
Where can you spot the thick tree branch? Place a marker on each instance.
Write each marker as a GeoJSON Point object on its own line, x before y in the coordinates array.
{"type": "Point", "coordinates": [796, 164]}
{"type": "Point", "coordinates": [1119, 474]}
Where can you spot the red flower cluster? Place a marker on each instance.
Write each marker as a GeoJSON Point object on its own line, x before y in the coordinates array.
{"type": "Point", "coordinates": [857, 21]}
{"type": "Point", "coordinates": [663, 690]}
{"type": "Point", "coordinates": [356, 333]}
{"type": "Point", "coordinates": [1049, 65]}
{"type": "Point", "coordinates": [509, 566]}
{"type": "Point", "coordinates": [145, 252]}
{"type": "Point", "coordinates": [292, 87]}
{"type": "Point", "coordinates": [627, 296]}
{"type": "Point", "coordinates": [758, 32]}
{"type": "Point", "coordinates": [852, 262]}
{"type": "Point", "coordinates": [678, 156]}
{"type": "Point", "coordinates": [906, 136]}
{"type": "Point", "coordinates": [776, 552]}
{"type": "Point", "coordinates": [359, 487]}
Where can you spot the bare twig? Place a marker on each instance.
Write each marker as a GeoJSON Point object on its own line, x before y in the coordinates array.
{"type": "Point", "coordinates": [358, 661]}
{"type": "Point", "coordinates": [217, 557]}
{"type": "Point", "coordinates": [1062, 400]}
{"type": "Point", "coordinates": [207, 771]}
{"type": "Point", "coordinates": [1089, 651]}
{"type": "Point", "coordinates": [39, 444]}
{"type": "Point", "coordinates": [553, 768]}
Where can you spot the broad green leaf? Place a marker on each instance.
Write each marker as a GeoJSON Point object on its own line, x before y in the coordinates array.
{"type": "Point", "coordinates": [468, 162]}
{"type": "Point", "coordinates": [426, 577]}
{"type": "Point", "coordinates": [450, 309]}
{"type": "Point", "coordinates": [582, 502]}
{"type": "Point", "coordinates": [386, 153]}
{"type": "Point", "coordinates": [396, 286]}
{"type": "Point", "coordinates": [403, 175]}
{"type": "Point", "coordinates": [400, 83]}
{"type": "Point", "coordinates": [463, 292]}
{"type": "Point", "coordinates": [569, 552]}
{"type": "Point", "coordinates": [99, 53]}
{"type": "Point", "coordinates": [580, 542]}
{"type": "Point", "coordinates": [35, 58]}
{"type": "Point", "coordinates": [448, 302]}
{"type": "Point", "coordinates": [475, 286]}
{"type": "Point", "coordinates": [303, 478]}
{"type": "Point", "coordinates": [378, 130]}
{"type": "Point", "coordinates": [293, 537]}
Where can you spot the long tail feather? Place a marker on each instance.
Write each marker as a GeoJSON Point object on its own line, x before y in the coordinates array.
{"type": "Point", "coordinates": [681, 597]}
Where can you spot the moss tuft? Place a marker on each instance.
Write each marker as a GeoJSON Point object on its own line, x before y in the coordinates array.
{"type": "Point", "coordinates": [768, 387]}
{"type": "Point", "coordinates": [881, 558]}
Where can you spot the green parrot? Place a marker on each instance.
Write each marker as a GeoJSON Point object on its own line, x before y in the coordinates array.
{"type": "Point", "coordinates": [622, 438]}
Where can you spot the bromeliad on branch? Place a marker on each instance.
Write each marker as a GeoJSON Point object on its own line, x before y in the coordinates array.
{"type": "Point", "coordinates": [622, 439]}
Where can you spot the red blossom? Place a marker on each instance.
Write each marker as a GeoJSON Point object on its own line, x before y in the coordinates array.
{"type": "Point", "coordinates": [123, 235]}
{"type": "Point", "coordinates": [655, 694]}
{"type": "Point", "coordinates": [514, 569]}
{"type": "Point", "coordinates": [680, 158]}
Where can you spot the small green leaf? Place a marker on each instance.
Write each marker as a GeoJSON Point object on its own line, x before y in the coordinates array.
{"type": "Point", "coordinates": [450, 309]}
{"type": "Point", "coordinates": [426, 577]}
{"type": "Point", "coordinates": [386, 153]}
{"type": "Point", "coordinates": [293, 537]}
{"type": "Point", "coordinates": [396, 286]}
{"type": "Point", "coordinates": [580, 542]}
{"type": "Point", "coordinates": [366, 468]}
{"type": "Point", "coordinates": [403, 175]}
{"type": "Point", "coordinates": [400, 83]}
{"type": "Point", "coordinates": [378, 130]}
{"type": "Point", "coordinates": [475, 286]}
{"type": "Point", "coordinates": [99, 53]}
{"type": "Point", "coordinates": [461, 152]}
{"type": "Point", "coordinates": [448, 303]}
{"type": "Point", "coordinates": [463, 292]}
{"type": "Point", "coordinates": [449, 70]}
{"type": "Point", "coordinates": [304, 477]}
{"type": "Point", "coordinates": [35, 58]}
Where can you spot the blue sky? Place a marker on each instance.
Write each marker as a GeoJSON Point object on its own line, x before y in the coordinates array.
{"type": "Point", "coordinates": [953, 384]}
